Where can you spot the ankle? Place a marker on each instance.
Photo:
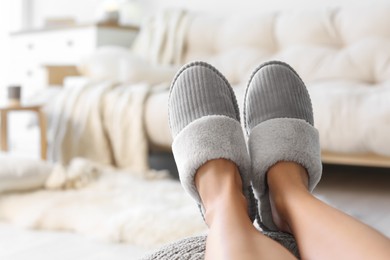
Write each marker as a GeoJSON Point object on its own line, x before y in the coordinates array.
{"type": "Point", "coordinates": [284, 177]}
{"type": "Point", "coordinates": [217, 178]}
{"type": "Point", "coordinates": [220, 186]}
{"type": "Point", "coordinates": [226, 204]}
{"type": "Point", "coordinates": [286, 182]}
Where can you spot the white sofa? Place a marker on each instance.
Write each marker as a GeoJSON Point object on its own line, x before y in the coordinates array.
{"type": "Point", "coordinates": [342, 54]}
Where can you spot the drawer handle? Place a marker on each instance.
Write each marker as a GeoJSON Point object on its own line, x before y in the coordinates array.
{"type": "Point", "coordinates": [30, 46]}
{"type": "Point", "coordinates": [29, 73]}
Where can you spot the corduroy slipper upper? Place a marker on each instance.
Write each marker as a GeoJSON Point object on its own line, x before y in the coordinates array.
{"type": "Point", "coordinates": [204, 121]}
{"type": "Point", "coordinates": [278, 118]}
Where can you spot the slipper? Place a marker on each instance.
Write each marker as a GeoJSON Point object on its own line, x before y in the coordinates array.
{"type": "Point", "coordinates": [278, 119]}
{"type": "Point", "coordinates": [205, 124]}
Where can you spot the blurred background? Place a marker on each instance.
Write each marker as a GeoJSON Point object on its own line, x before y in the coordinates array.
{"type": "Point", "coordinates": [20, 15]}
{"type": "Point", "coordinates": [84, 89]}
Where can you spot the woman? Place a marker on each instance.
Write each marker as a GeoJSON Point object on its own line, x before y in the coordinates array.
{"type": "Point", "coordinates": [283, 166]}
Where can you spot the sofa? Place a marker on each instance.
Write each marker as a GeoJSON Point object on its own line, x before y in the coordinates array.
{"type": "Point", "coordinates": [341, 53]}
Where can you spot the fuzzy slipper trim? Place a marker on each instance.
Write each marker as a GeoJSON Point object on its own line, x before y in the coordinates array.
{"type": "Point", "coordinates": [282, 139]}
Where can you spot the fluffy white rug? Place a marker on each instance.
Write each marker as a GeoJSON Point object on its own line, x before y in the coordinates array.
{"type": "Point", "coordinates": [117, 206]}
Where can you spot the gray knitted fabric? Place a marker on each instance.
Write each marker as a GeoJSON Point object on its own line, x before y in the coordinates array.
{"type": "Point", "coordinates": [193, 248]}
{"type": "Point", "coordinates": [279, 121]}
{"type": "Point", "coordinates": [280, 93]}
{"type": "Point", "coordinates": [206, 92]}
{"type": "Point", "coordinates": [204, 120]}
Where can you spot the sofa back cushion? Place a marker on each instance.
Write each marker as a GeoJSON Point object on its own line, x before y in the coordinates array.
{"type": "Point", "coordinates": [336, 43]}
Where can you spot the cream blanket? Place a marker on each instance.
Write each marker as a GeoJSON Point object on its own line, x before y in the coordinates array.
{"type": "Point", "coordinates": [101, 121]}
{"type": "Point", "coordinates": [162, 36]}
{"type": "Point", "coordinates": [100, 202]}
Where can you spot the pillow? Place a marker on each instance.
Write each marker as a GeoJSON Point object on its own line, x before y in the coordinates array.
{"type": "Point", "coordinates": [144, 72]}
{"type": "Point", "coordinates": [120, 64]}
{"type": "Point", "coordinates": [20, 174]}
{"type": "Point", "coordinates": [105, 62]}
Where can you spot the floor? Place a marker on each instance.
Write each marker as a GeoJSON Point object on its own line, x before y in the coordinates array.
{"type": "Point", "coordinates": [22, 244]}
{"type": "Point", "coordinates": [359, 191]}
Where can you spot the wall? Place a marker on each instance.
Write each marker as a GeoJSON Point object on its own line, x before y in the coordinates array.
{"type": "Point", "coordinates": [81, 10]}
{"type": "Point", "coordinates": [10, 20]}
{"type": "Point", "coordinates": [86, 10]}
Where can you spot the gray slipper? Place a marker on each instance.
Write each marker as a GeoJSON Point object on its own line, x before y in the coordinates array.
{"type": "Point", "coordinates": [279, 121]}
{"type": "Point", "coordinates": [204, 121]}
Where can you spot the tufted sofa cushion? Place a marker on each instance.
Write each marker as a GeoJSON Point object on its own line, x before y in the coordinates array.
{"type": "Point", "coordinates": [342, 54]}
{"type": "Point", "coordinates": [339, 43]}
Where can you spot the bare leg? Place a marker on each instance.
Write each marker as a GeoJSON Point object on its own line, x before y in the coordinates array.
{"type": "Point", "coordinates": [231, 233]}
{"type": "Point", "coordinates": [322, 232]}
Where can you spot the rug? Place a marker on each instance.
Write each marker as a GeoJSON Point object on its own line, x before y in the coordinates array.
{"type": "Point", "coordinates": [117, 206]}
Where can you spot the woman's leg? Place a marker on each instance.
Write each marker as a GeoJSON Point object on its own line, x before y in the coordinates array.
{"type": "Point", "coordinates": [231, 233]}
{"type": "Point", "coordinates": [322, 232]}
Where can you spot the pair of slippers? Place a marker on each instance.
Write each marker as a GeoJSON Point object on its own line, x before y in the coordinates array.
{"type": "Point", "coordinates": [205, 123]}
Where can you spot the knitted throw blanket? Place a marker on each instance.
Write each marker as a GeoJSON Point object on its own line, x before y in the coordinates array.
{"type": "Point", "coordinates": [193, 248]}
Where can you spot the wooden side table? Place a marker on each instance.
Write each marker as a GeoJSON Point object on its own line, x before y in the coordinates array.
{"type": "Point", "coordinates": [4, 125]}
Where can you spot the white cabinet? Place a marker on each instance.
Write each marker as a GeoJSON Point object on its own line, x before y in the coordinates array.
{"type": "Point", "coordinates": [33, 49]}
